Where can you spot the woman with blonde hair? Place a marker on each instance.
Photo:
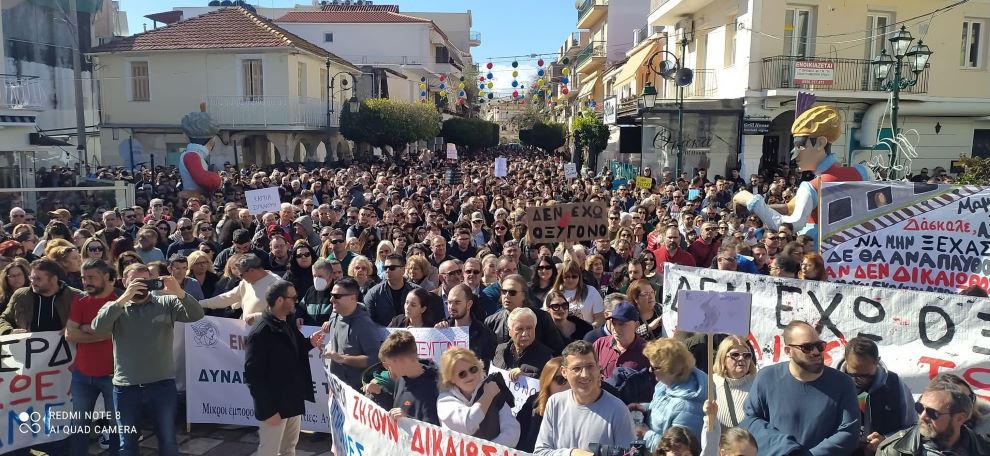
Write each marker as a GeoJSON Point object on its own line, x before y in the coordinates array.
{"type": "Point", "coordinates": [680, 392]}
{"type": "Point", "coordinates": [585, 300]}
{"type": "Point", "coordinates": [471, 405]}
{"type": "Point", "coordinates": [530, 416]}
{"type": "Point", "coordinates": [363, 271]}
{"type": "Point", "coordinates": [385, 248]}
{"type": "Point", "coordinates": [201, 269]}
{"type": "Point", "coordinates": [733, 372]}
{"type": "Point", "coordinates": [419, 271]}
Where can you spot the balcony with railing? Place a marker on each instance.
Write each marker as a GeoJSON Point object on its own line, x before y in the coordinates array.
{"type": "Point", "coordinates": [22, 92]}
{"type": "Point", "coordinates": [591, 57]}
{"type": "Point", "coordinates": [590, 12]}
{"type": "Point", "coordinates": [474, 39]}
{"type": "Point", "coordinates": [273, 112]}
{"type": "Point", "coordinates": [704, 85]}
{"type": "Point", "coordinates": [783, 72]}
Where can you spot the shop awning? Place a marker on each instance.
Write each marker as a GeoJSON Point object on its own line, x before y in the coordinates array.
{"type": "Point", "coordinates": [633, 67]}
{"type": "Point", "coordinates": [588, 84]}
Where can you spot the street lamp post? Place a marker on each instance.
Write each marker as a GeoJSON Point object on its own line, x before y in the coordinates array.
{"type": "Point", "coordinates": [353, 103]}
{"type": "Point", "coordinates": [895, 81]}
{"type": "Point", "coordinates": [682, 77]}
{"type": "Point", "coordinates": [647, 100]}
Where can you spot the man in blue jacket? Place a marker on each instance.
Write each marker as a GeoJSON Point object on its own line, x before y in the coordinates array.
{"type": "Point", "coordinates": [803, 407]}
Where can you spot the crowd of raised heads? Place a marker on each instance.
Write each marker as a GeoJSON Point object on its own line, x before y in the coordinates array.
{"type": "Point", "coordinates": [357, 248]}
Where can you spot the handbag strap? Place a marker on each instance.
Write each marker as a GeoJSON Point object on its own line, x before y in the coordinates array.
{"type": "Point", "coordinates": [731, 404]}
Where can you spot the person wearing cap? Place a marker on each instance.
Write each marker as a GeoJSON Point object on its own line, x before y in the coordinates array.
{"type": "Point", "coordinates": [241, 244]}
{"type": "Point", "coordinates": [479, 232]}
{"type": "Point", "coordinates": [62, 215]}
{"type": "Point", "coordinates": [9, 250]}
{"type": "Point", "coordinates": [814, 131]}
{"type": "Point", "coordinates": [623, 348]}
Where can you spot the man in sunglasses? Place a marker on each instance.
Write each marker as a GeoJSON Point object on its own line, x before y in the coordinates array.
{"type": "Point", "coordinates": [885, 402]}
{"type": "Point", "coordinates": [942, 410]}
{"type": "Point", "coordinates": [188, 242]}
{"type": "Point", "coordinates": [339, 246]}
{"type": "Point", "coordinates": [354, 338]}
{"type": "Point", "coordinates": [387, 299]}
{"type": "Point", "coordinates": [803, 407]}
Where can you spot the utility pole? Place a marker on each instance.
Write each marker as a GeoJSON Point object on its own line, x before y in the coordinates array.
{"type": "Point", "coordinates": [77, 84]}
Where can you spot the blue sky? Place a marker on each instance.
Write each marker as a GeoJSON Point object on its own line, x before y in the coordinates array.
{"type": "Point", "coordinates": [507, 27]}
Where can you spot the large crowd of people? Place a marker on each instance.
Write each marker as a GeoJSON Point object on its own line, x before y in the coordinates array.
{"type": "Point", "coordinates": [359, 248]}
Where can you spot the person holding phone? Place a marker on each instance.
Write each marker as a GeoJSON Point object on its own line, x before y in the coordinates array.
{"type": "Point", "coordinates": [144, 373]}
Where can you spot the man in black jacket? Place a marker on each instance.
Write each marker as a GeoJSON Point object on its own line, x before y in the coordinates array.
{"type": "Point", "coordinates": [514, 294]}
{"type": "Point", "coordinates": [416, 390]}
{"type": "Point", "coordinates": [461, 305]}
{"type": "Point", "coordinates": [275, 345]}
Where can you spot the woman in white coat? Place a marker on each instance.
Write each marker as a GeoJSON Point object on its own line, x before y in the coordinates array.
{"type": "Point", "coordinates": [466, 401]}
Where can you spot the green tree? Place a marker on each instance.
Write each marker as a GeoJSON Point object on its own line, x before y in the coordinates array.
{"type": "Point", "coordinates": [976, 171]}
{"type": "Point", "coordinates": [382, 122]}
{"type": "Point", "coordinates": [589, 133]}
{"type": "Point", "coordinates": [470, 133]}
{"type": "Point", "coordinates": [545, 136]}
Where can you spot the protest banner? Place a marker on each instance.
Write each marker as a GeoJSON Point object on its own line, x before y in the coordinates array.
{"type": "Point", "coordinates": [644, 182]}
{"type": "Point", "coordinates": [34, 389]}
{"type": "Point", "coordinates": [263, 200]}
{"type": "Point", "coordinates": [451, 151]}
{"type": "Point", "coordinates": [361, 427]}
{"type": "Point", "coordinates": [522, 388]}
{"type": "Point", "coordinates": [919, 334]}
{"type": "Point", "coordinates": [570, 171]}
{"type": "Point", "coordinates": [501, 167]}
{"type": "Point", "coordinates": [907, 235]}
{"type": "Point", "coordinates": [566, 222]}
{"type": "Point", "coordinates": [712, 312]}
{"type": "Point", "coordinates": [432, 342]}
{"type": "Point", "coordinates": [216, 391]}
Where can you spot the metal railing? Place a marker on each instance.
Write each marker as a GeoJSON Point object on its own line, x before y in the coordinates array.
{"type": "Point", "coordinates": [704, 85]}
{"type": "Point", "coordinates": [22, 92]}
{"type": "Point", "coordinates": [847, 75]}
{"type": "Point", "coordinates": [593, 49]}
{"type": "Point", "coordinates": [588, 5]}
{"type": "Point", "coordinates": [272, 111]}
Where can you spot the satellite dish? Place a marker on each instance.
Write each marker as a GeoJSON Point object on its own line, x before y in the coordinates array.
{"type": "Point", "coordinates": [683, 77]}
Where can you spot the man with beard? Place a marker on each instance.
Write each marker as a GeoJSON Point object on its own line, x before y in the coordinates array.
{"type": "Point", "coordinates": [671, 251]}
{"type": "Point", "coordinates": [942, 410]}
{"type": "Point", "coordinates": [705, 248]}
{"type": "Point", "coordinates": [461, 305]}
{"type": "Point", "coordinates": [886, 404]}
{"type": "Point", "coordinates": [93, 371]}
{"type": "Point", "coordinates": [802, 407]}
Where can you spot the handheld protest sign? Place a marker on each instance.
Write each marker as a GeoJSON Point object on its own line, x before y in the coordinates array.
{"type": "Point", "coordinates": [263, 200]}
{"type": "Point", "coordinates": [573, 222]}
{"type": "Point", "coordinates": [714, 312]}
{"type": "Point", "coordinates": [570, 171]}
{"type": "Point", "coordinates": [501, 167]}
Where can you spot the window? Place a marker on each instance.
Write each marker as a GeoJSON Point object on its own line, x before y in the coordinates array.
{"type": "Point", "coordinates": [443, 55]}
{"type": "Point", "coordinates": [323, 84]}
{"type": "Point", "coordinates": [328, 37]}
{"type": "Point", "coordinates": [301, 79]}
{"type": "Point", "coordinates": [253, 87]}
{"type": "Point", "coordinates": [878, 29]}
{"type": "Point", "coordinates": [972, 44]}
{"type": "Point", "coordinates": [140, 89]}
{"type": "Point", "coordinates": [798, 23]}
{"type": "Point", "coordinates": [730, 42]}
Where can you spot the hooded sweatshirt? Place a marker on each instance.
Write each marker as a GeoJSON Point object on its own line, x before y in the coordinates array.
{"type": "Point", "coordinates": [312, 237]}
{"type": "Point", "coordinates": [355, 334]}
{"type": "Point", "coordinates": [679, 404]}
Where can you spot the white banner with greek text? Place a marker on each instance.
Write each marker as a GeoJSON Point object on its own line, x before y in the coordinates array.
{"type": "Point", "coordinates": [216, 391]}
{"type": "Point", "coordinates": [361, 427]}
{"type": "Point", "coordinates": [432, 342]}
{"type": "Point", "coordinates": [920, 334]}
{"type": "Point", "coordinates": [35, 407]}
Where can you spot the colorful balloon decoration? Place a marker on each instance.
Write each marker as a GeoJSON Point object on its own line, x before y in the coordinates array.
{"type": "Point", "coordinates": [515, 83]}
{"type": "Point", "coordinates": [565, 80]}
{"type": "Point", "coordinates": [515, 64]}
{"type": "Point", "coordinates": [489, 66]}
{"type": "Point", "coordinates": [489, 75]}
{"type": "Point", "coordinates": [491, 85]}
{"type": "Point", "coordinates": [515, 73]}
{"type": "Point", "coordinates": [539, 62]}
{"type": "Point", "coordinates": [565, 71]}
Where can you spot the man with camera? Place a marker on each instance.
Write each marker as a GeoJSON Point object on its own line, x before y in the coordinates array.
{"type": "Point", "coordinates": [144, 374]}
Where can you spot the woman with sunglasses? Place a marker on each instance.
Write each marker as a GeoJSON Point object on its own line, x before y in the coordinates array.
{"type": "Point", "coordinates": [585, 300]}
{"type": "Point", "coordinates": [500, 234]}
{"type": "Point", "coordinates": [471, 404]}
{"type": "Point", "coordinates": [530, 416]}
{"type": "Point", "coordinates": [205, 233]}
{"type": "Point", "coordinates": [733, 372]}
{"type": "Point", "coordinates": [570, 327]}
{"type": "Point", "coordinates": [95, 248]}
{"type": "Point", "coordinates": [544, 278]}
{"type": "Point", "coordinates": [301, 259]}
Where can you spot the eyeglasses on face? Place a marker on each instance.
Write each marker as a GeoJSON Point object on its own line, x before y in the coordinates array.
{"type": "Point", "coordinates": [470, 371]}
{"type": "Point", "coordinates": [810, 346]}
{"type": "Point", "coordinates": [391, 267]}
{"type": "Point", "coordinates": [741, 356]}
{"type": "Point", "coordinates": [471, 272]}
{"type": "Point", "coordinates": [510, 292]}
{"type": "Point", "coordinates": [303, 255]}
{"type": "Point", "coordinates": [932, 413]}
{"type": "Point", "coordinates": [558, 307]}
{"type": "Point", "coordinates": [339, 295]}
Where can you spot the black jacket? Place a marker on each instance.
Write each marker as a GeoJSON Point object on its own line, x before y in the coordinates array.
{"type": "Point", "coordinates": [378, 301]}
{"type": "Point", "coordinates": [546, 331]}
{"type": "Point", "coordinates": [417, 397]}
{"type": "Point", "coordinates": [276, 368]}
{"type": "Point", "coordinates": [530, 361]}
